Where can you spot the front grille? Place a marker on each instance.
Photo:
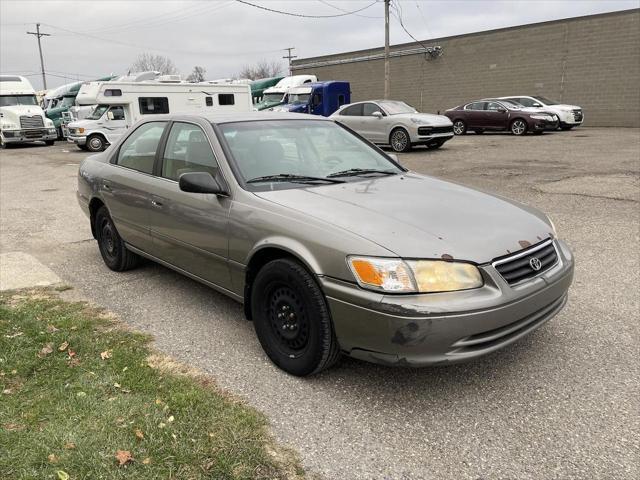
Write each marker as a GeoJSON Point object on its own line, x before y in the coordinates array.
{"type": "Point", "coordinates": [577, 115]}
{"type": "Point", "coordinates": [31, 122]}
{"type": "Point", "coordinates": [433, 130]}
{"type": "Point", "coordinates": [521, 266]}
{"type": "Point", "coordinates": [34, 133]}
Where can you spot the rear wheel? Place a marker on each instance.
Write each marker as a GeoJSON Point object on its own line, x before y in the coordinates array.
{"type": "Point", "coordinates": [292, 319]}
{"type": "Point", "coordinates": [112, 248]}
{"type": "Point", "coordinates": [518, 127]}
{"type": "Point", "coordinates": [96, 143]}
{"type": "Point", "coordinates": [459, 127]}
{"type": "Point", "coordinates": [399, 140]}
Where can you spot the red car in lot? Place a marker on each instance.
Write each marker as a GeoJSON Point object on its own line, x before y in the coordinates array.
{"type": "Point", "coordinates": [500, 114]}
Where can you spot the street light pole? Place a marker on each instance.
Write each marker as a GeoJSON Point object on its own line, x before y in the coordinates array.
{"type": "Point", "coordinates": [38, 34]}
{"type": "Point", "coordinates": [290, 57]}
{"type": "Point", "coordinates": [386, 48]}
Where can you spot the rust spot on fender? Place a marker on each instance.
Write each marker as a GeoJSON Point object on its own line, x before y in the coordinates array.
{"type": "Point", "coordinates": [524, 243]}
{"type": "Point", "coordinates": [446, 257]}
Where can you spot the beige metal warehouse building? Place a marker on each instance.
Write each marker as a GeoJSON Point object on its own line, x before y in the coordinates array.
{"type": "Point", "coordinates": [591, 61]}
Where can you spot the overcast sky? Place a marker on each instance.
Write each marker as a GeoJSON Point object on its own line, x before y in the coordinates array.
{"type": "Point", "coordinates": [92, 38]}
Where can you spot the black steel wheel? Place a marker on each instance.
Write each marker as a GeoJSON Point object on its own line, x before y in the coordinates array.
{"type": "Point", "coordinates": [292, 319]}
{"type": "Point", "coordinates": [399, 140]}
{"type": "Point", "coordinates": [112, 248]}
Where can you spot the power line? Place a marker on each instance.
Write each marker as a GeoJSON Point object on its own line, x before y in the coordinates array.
{"type": "Point", "coordinates": [346, 11]}
{"type": "Point", "coordinates": [302, 15]}
{"type": "Point", "coordinates": [398, 16]}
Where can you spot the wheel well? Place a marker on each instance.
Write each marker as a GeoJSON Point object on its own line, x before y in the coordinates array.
{"type": "Point", "coordinates": [397, 128]}
{"type": "Point", "coordinates": [259, 260]}
{"type": "Point", "coordinates": [519, 118]}
{"type": "Point", "coordinates": [94, 206]}
{"type": "Point", "coordinates": [98, 134]}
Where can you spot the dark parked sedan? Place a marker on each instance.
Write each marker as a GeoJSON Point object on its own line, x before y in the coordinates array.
{"type": "Point", "coordinates": [331, 245]}
{"type": "Point", "coordinates": [498, 114]}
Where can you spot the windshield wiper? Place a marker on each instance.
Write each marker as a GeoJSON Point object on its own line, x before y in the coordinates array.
{"type": "Point", "coordinates": [352, 172]}
{"type": "Point", "coordinates": [289, 177]}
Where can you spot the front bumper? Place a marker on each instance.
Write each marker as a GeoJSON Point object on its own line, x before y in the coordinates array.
{"type": "Point", "coordinates": [77, 139]}
{"type": "Point", "coordinates": [541, 125]}
{"type": "Point", "coordinates": [424, 134]}
{"type": "Point", "coordinates": [28, 135]}
{"type": "Point", "coordinates": [442, 328]}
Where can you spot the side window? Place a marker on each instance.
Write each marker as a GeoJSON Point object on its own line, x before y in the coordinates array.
{"type": "Point", "coordinates": [226, 99]}
{"type": "Point", "coordinates": [317, 99]}
{"type": "Point", "coordinates": [369, 108]}
{"type": "Point", "coordinates": [113, 92]}
{"type": "Point", "coordinates": [153, 105]}
{"type": "Point", "coordinates": [476, 106]}
{"type": "Point", "coordinates": [187, 150]}
{"type": "Point", "coordinates": [138, 151]}
{"type": "Point", "coordinates": [492, 106]}
{"type": "Point", "coordinates": [527, 102]}
{"type": "Point", "coordinates": [209, 101]}
{"type": "Point", "coordinates": [353, 111]}
{"type": "Point", "coordinates": [118, 113]}
{"type": "Point", "coordinates": [340, 100]}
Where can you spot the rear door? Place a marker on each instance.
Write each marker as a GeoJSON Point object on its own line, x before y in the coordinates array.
{"type": "Point", "coordinates": [125, 185]}
{"type": "Point", "coordinates": [189, 230]}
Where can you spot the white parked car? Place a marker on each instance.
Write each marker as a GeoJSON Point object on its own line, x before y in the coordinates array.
{"type": "Point", "coordinates": [569, 115]}
{"type": "Point", "coordinates": [394, 123]}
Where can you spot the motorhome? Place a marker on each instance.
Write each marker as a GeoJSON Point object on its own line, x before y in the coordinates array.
{"type": "Point", "coordinates": [22, 119]}
{"type": "Point", "coordinates": [121, 104]}
{"type": "Point", "coordinates": [277, 95]}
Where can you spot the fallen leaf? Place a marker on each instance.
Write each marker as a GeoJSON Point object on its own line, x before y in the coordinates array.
{"type": "Point", "coordinates": [52, 329]}
{"type": "Point", "coordinates": [63, 346]}
{"type": "Point", "coordinates": [125, 369]}
{"type": "Point", "coordinates": [125, 390]}
{"type": "Point", "coordinates": [14, 372]}
{"type": "Point", "coordinates": [69, 446]}
{"type": "Point", "coordinates": [75, 327]}
{"type": "Point", "coordinates": [71, 353]}
{"type": "Point", "coordinates": [7, 391]}
{"type": "Point", "coordinates": [46, 350]}
{"type": "Point", "coordinates": [117, 385]}
{"type": "Point", "coordinates": [146, 461]}
{"type": "Point", "coordinates": [81, 394]}
{"type": "Point", "coordinates": [17, 334]}
{"type": "Point", "coordinates": [74, 362]}
{"type": "Point", "coordinates": [106, 354]}
{"type": "Point", "coordinates": [12, 427]}
{"type": "Point", "coordinates": [52, 458]}
{"type": "Point", "coordinates": [120, 420]}
{"type": "Point", "coordinates": [170, 419]}
{"type": "Point", "coordinates": [62, 475]}
{"type": "Point", "coordinates": [123, 457]}
{"type": "Point", "coordinates": [139, 434]}
{"type": "Point", "coordinates": [161, 425]}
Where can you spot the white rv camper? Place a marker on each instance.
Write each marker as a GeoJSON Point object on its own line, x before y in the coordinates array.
{"type": "Point", "coordinates": [121, 104]}
{"type": "Point", "coordinates": [21, 117]}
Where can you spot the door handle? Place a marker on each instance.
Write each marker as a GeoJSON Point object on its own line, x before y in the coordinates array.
{"type": "Point", "coordinates": [156, 203]}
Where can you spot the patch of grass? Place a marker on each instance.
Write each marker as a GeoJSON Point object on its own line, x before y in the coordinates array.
{"type": "Point", "coordinates": [76, 388]}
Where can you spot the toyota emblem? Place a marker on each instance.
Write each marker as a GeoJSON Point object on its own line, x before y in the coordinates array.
{"type": "Point", "coordinates": [535, 263]}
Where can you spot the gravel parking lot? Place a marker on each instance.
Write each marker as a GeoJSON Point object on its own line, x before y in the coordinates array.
{"type": "Point", "coordinates": [562, 403]}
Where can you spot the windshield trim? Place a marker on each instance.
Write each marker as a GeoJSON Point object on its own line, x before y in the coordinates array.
{"type": "Point", "coordinates": [231, 161]}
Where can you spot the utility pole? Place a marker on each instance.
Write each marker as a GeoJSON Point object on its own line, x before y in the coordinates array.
{"type": "Point", "coordinates": [290, 57]}
{"type": "Point", "coordinates": [386, 48]}
{"type": "Point", "coordinates": [38, 34]}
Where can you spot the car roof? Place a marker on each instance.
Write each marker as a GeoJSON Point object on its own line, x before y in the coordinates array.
{"type": "Point", "coordinates": [219, 118]}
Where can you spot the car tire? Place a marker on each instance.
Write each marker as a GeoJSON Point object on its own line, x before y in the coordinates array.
{"type": "Point", "coordinates": [96, 143]}
{"type": "Point", "coordinates": [459, 127]}
{"type": "Point", "coordinates": [518, 127]}
{"type": "Point", "coordinates": [49, 142]}
{"type": "Point", "coordinates": [292, 319]}
{"type": "Point", "coordinates": [112, 248]}
{"type": "Point", "coordinates": [399, 140]}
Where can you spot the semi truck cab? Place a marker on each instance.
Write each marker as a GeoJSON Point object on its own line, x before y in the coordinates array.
{"type": "Point", "coordinates": [317, 98]}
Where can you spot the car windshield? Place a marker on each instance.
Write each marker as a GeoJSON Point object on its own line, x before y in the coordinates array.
{"type": "Point", "coordinates": [9, 100]}
{"type": "Point", "coordinates": [97, 112]}
{"type": "Point", "coordinates": [299, 153]}
{"type": "Point", "coordinates": [396, 108]}
{"type": "Point", "coordinates": [546, 101]}
{"type": "Point", "coordinates": [298, 98]}
{"type": "Point", "coordinates": [272, 97]}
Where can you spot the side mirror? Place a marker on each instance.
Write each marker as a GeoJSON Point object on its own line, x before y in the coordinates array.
{"type": "Point", "coordinates": [110, 115]}
{"type": "Point", "coordinates": [200, 182]}
{"type": "Point", "coordinates": [377, 114]}
{"type": "Point", "coordinates": [536, 105]}
{"type": "Point", "coordinates": [501, 110]}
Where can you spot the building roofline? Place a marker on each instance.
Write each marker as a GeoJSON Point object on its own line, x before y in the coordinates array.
{"type": "Point", "coordinates": [400, 46]}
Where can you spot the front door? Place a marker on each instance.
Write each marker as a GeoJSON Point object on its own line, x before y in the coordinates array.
{"type": "Point", "coordinates": [125, 188]}
{"type": "Point", "coordinates": [496, 116]}
{"type": "Point", "coordinates": [475, 115]}
{"type": "Point", "coordinates": [373, 128]}
{"type": "Point", "coordinates": [114, 123]}
{"type": "Point", "coordinates": [189, 230]}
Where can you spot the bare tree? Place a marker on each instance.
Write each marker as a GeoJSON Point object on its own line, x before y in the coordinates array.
{"type": "Point", "coordinates": [262, 69]}
{"type": "Point", "coordinates": [148, 61]}
{"type": "Point", "coordinates": [197, 75]}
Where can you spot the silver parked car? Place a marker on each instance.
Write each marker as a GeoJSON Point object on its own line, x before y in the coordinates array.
{"type": "Point", "coordinates": [389, 122]}
{"type": "Point", "coordinates": [331, 245]}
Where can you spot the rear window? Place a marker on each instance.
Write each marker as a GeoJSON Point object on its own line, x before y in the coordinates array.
{"type": "Point", "coordinates": [226, 99]}
{"type": "Point", "coordinates": [153, 105]}
{"type": "Point", "coordinates": [353, 110]}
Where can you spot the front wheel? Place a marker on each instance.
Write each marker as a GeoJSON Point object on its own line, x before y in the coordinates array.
{"type": "Point", "coordinates": [459, 127]}
{"type": "Point", "coordinates": [112, 248]}
{"type": "Point", "coordinates": [292, 319]}
{"type": "Point", "coordinates": [96, 143]}
{"type": "Point", "coordinates": [400, 141]}
{"type": "Point", "coordinates": [518, 127]}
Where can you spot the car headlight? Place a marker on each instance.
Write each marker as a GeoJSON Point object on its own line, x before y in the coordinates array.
{"type": "Point", "coordinates": [48, 123]}
{"type": "Point", "coordinates": [414, 276]}
{"type": "Point", "coordinates": [79, 130]}
{"type": "Point", "coordinates": [541, 117]}
{"type": "Point", "coordinates": [553, 226]}
{"type": "Point", "coordinates": [417, 121]}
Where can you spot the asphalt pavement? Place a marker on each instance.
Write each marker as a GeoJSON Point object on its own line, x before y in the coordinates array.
{"type": "Point", "coordinates": [562, 403]}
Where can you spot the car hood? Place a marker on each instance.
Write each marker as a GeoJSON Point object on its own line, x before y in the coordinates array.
{"type": "Point", "coordinates": [82, 123]}
{"type": "Point", "coordinates": [425, 118]}
{"type": "Point", "coordinates": [415, 216]}
{"type": "Point", "coordinates": [19, 110]}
